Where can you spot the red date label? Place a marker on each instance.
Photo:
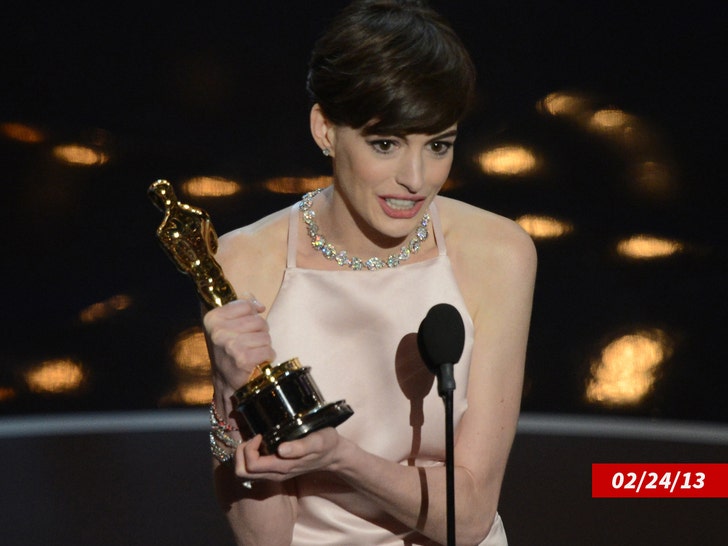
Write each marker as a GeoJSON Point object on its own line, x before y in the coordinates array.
{"type": "Point", "coordinates": [653, 480]}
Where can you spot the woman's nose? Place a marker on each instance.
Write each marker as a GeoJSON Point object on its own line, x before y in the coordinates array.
{"type": "Point", "coordinates": [411, 171]}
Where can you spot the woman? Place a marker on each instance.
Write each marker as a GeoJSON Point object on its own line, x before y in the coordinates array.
{"type": "Point", "coordinates": [389, 81]}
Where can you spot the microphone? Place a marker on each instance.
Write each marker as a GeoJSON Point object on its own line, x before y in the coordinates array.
{"type": "Point", "coordinates": [441, 339]}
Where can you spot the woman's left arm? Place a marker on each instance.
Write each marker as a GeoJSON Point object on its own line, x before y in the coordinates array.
{"type": "Point", "coordinates": [503, 300]}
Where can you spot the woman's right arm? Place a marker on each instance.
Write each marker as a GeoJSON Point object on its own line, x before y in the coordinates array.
{"type": "Point", "coordinates": [238, 340]}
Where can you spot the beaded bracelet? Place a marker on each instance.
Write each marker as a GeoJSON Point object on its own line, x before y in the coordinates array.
{"type": "Point", "coordinates": [223, 455]}
{"type": "Point", "coordinates": [219, 420]}
{"type": "Point", "coordinates": [219, 434]}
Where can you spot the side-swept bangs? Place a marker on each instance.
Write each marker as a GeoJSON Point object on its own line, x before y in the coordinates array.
{"type": "Point", "coordinates": [390, 67]}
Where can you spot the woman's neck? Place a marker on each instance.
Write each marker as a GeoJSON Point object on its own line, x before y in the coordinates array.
{"type": "Point", "coordinates": [343, 233]}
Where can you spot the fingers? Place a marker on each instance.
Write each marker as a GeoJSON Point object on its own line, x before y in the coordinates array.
{"type": "Point", "coordinates": [313, 452]}
{"type": "Point", "coordinates": [251, 464]}
{"type": "Point", "coordinates": [238, 331]}
{"type": "Point", "coordinates": [234, 310]}
{"type": "Point", "coordinates": [308, 445]}
{"type": "Point", "coordinates": [250, 298]}
{"type": "Point", "coordinates": [246, 454]}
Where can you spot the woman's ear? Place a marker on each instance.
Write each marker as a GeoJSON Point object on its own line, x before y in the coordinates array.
{"type": "Point", "coordinates": [322, 130]}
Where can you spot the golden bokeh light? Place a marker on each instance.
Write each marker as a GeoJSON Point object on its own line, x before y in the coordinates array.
{"type": "Point", "coordinates": [190, 393]}
{"type": "Point", "coordinates": [210, 186]}
{"type": "Point", "coordinates": [507, 161]}
{"type": "Point", "coordinates": [544, 227]}
{"type": "Point", "coordinates": [561, 103]}
{"type": "Point", "coordinates": [189, 353]}
{"type": "Point", "coordinates": [105, 309]}
{"type": "Point", "coordinates": [21, 132]}
{"type": "Point", "coordinates": [79, 155]}
{"type": "Point", "coordinates": [193, 383]}
{"type": "Point", "coordinates": [57, 376]}
{"type": "Point", "coordinates": [7, 394]}
{"type": "Point", "coordinates": [296, 184]}
{"type": "Point", "coordinates": [648, 247]}
{"type": "Point", "coordinates": [627, 369]}
{"type": "Point", "coordinates": [610, 119]}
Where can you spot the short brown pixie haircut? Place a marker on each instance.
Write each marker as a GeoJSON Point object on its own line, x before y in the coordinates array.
{"type": "Point", "coordinates": [391, 67]}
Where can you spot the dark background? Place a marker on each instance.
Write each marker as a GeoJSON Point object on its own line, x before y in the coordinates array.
{"type": "Point", "coordinates": [217, 89]}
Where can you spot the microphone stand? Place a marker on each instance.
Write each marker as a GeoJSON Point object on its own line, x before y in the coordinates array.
{"type": "Point", "coordinates": [446, 386]}
{"type": "Point", "coordinates": [441, 339]}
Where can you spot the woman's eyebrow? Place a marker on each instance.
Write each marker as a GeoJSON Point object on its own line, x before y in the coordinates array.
{"type": "Point", "coordinates": [446, 134]}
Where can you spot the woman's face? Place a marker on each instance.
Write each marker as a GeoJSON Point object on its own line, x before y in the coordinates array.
{"type": "Point", "coordinates": [389, 181]}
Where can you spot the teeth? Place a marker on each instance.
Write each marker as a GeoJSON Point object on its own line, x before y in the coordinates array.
{"type": "Point", "coordinates": [401, 204]}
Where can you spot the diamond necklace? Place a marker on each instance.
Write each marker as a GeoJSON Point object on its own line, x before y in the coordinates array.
{"type": "Point", "coordinates": [318, 241]}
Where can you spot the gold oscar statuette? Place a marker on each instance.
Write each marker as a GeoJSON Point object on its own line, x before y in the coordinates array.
{"type": "Point", "coordinates": [280, 402]}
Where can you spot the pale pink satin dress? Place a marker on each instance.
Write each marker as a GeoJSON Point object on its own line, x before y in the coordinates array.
{"type": "Point", "coordinates": [357, 332]}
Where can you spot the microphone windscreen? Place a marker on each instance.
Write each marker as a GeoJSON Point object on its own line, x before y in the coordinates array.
{"type": "Point", "coordinates": [441, 336]}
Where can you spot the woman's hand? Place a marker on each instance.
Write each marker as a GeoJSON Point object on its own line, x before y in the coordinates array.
{"type": "Point", "coordinates": [239, 341]}
{"type": "Point", "coordinates": [316, 451]}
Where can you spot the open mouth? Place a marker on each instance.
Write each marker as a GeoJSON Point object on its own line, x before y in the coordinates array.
{"type": "Point", "coordinates": [401, 204]}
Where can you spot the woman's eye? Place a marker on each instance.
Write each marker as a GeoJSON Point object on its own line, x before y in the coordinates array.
{"type": "Point", "coordinates": [440, 148]}
{"type": "Point", "coordinates": [383, 146]}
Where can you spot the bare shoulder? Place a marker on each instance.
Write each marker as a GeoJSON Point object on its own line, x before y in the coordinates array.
{"type": "Point", "coordinates": [253, 236]}
{"type": "Point", "coordinates": [253, 257]}
{"type": "Point", "coordinates": [480, 234]}
{"type": "Point", "coordinates": [489, 252]}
